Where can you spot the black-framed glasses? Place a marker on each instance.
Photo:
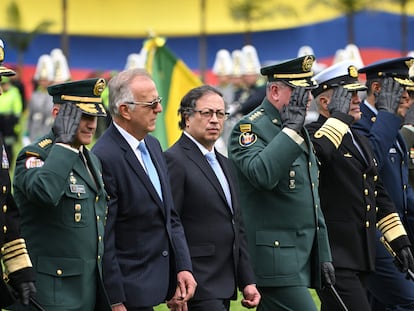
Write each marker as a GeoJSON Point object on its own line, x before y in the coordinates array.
{"type": "Point", "coordinates": [152, 104]}
{"type": "Point", "coordinates": [208, 113]}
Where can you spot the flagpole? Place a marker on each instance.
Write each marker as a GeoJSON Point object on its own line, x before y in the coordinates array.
{"type": "Point", "coordinates": [202, 41]}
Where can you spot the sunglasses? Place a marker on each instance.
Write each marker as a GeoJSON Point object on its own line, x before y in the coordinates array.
{"type": "Point", "coordinates": [152, 104]}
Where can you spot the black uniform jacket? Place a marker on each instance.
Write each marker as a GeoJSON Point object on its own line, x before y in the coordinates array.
{"type": "Point", "coordinates": [10, 230]}
{"type": "Point", "coordinates": [352, 197]}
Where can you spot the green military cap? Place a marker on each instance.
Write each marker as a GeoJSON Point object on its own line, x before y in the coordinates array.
{"type": "Point", "coordinates": [85, 94]}
{"type": "Point", "coordinates": [396, 68]}
{"type": "Point", "coordinates": [343, 73]}
{"type": "Point", "coordinates": [295, 72]}
{"type": "Point", "coordinates": [4, 71]}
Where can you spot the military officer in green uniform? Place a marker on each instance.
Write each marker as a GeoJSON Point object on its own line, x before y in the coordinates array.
{"type": "Point", "coordinates": [15, 259]}
{"type": "Point", "coordinates": [60, 194]}
{"type": "Point", "coordinates": [278, 178]}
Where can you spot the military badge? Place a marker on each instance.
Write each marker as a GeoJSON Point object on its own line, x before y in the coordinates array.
{"type": "Point", "coordinates": [33, 162]}
{"type": "Point", "coordinates": [247, 139]}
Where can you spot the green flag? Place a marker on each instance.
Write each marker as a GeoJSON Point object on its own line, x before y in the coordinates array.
{"type": "Point", "coordinates": [173, 80]}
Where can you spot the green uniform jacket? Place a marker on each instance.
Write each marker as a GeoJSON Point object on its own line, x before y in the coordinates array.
{"type": "Point", "coordinates": [278, 182]}
{"type": "Point", "coordinates": [63, 214]}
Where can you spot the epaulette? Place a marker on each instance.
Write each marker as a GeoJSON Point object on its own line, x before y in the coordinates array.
{"type": "Point", "coordinates": [256, 114]}
{"type": "Point", "coordinates": [45, 142]}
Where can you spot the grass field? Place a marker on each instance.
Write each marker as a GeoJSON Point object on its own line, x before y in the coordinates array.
{"type": "Point", "coordinates": [236, 305]}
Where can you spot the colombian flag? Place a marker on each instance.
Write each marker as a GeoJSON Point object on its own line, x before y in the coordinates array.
{"type": "Point", "coordinates": [173, 80]}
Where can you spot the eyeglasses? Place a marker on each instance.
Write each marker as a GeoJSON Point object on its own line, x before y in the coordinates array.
{"type": "Point", "coordinates": [208, 114]}
{"type": "Point", "coordinates": [152, 104]}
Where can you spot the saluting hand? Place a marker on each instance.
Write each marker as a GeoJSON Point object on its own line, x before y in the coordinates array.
{"type": "Point", "coordinates": [293, 114]}
{"type": "Point", "coordinates": [67, 123]}
{"type": "Point", "coordinates": [340, 100]}
{"type": "Point", "coordinates": [389, 96]}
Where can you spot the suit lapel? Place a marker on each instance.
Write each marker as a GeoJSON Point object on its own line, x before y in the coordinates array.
{"type": "Point", "coordinates": [401, 147]}
{"type": "Point", "coordinates": [350, 146]}
{"type": "Point", "coordinates": [195, 155]}
{"type": "Point", "coordinates": [137, 168]}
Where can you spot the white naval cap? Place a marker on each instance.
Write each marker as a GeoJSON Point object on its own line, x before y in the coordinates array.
{"type": "Point", "coordinates": [223, 64]}
{"type": "Point", "coordinates": [134, 60]}
{"type": "Point", "coordinates": [61, 67]}
{"type": "Point", "coordinates": [44, 68]}
{"type": "Point", "coordinates": [237, 60]}
{"type": "Point", "coordinates": [344, 73]}
{"type": "Point", "coordinates": [251, 63]}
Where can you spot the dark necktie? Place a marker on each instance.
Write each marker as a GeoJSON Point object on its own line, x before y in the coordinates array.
{"type": "Point", "coordinates": [85, 162]}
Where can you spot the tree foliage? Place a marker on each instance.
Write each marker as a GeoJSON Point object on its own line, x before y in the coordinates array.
{"type": "Point", "coordinates": [16, 37]}
{"type": "Point", "coordinates": [249, 11]}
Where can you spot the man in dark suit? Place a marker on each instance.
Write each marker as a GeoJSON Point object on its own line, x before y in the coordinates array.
{"type": "Point", "coordinates": [353, 198]}
{"type": "Point", "coordinates": [15, 259]}
{"type": "Point", "coordinates": [60, 194]}
{"type": "Point", "coordinates": [383, 112]}
{"type": "Point", "coordinates": [146, 255]}
{"type": "Point", "coordinates": [209, 210]}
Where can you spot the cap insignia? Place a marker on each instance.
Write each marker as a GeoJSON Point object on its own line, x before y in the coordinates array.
{"type": "Point", "coordinates": [406, 82]}
{"type": "Point", "coordinates": [91, 108]}
{"type": "Point", "coordinates": [353, 71]}
{"type": "Point", "coordinates": [307, 63]}
{"type": "Point", "coordinates": [409, 63]}
{"type": "Point", "coordinates": [99, 87]}
{"type": "Point", "coordinates": [303, 82]}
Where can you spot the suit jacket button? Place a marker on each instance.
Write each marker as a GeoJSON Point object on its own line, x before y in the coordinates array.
{"type": "Point", "coordinates": [165, 253]}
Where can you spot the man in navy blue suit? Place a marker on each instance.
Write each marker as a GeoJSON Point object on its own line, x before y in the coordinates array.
{"type": "Point", "coordinates": [146, 257]}
{"type": "Point", "coordinates": [383, 111]}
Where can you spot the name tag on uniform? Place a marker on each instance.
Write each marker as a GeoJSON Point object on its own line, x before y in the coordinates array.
{"type": "Point", "coordinates": [393, 150]}
{"type": "Point", "coordinates": [77, 188]}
